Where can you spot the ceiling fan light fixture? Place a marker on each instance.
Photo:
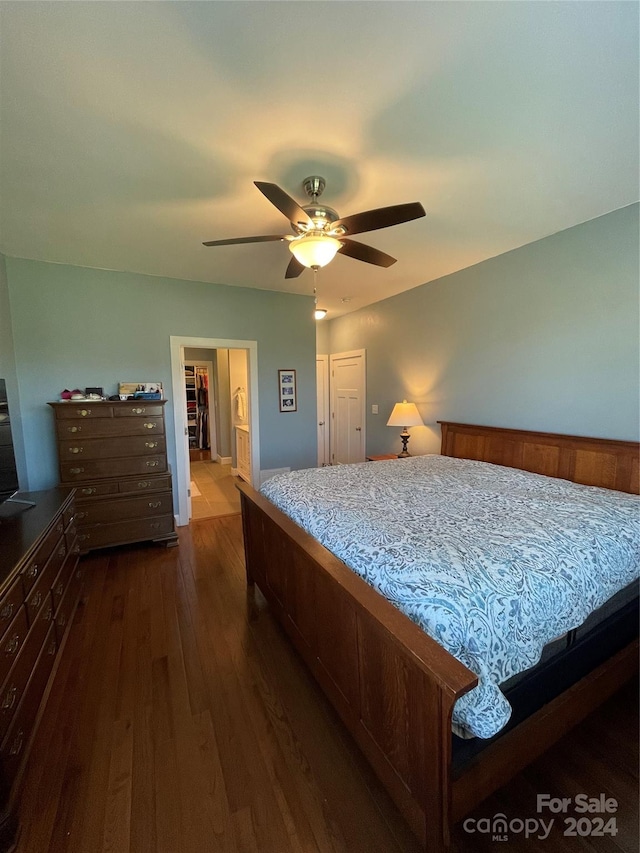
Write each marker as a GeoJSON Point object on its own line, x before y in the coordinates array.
{"type": "Point", "coordinates": [314, 250]}
{"type": "Point", "coordinates": [320, 313]}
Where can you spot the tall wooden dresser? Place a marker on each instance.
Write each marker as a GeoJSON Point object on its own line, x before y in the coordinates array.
{"type": "Point", "coordinates": [40, 584]}
{"type": "Point", "coordinates": [115, 454]}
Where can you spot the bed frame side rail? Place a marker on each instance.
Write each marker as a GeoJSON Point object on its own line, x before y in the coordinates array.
{"type": "Point", "coordinates": [393, 686]}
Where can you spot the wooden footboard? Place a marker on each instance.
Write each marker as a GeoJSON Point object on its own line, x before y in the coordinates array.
{"type": "Point", "coordinates": [392, 685]}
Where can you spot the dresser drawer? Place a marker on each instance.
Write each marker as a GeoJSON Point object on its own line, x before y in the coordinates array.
{"type": "Point", "coordinates": [67, 605]}
{"type": "Point", "coordinates": [121, 509]}
{"type": "Point", "coordinates": [96, 490]}
{"type": "Point", "coordinates": [109, 448]}
{"type": "Point", "coordinates": [68, 516]}
{"type": "Point", "coordinates": [17, 738]}
{"type": "Point", "coordinates": [135, 410]}
{"type": "Point", "coordinates": [149, 484]}
{"type": "Point", "coordinates": [36, 564]}
{"type": "Point", "coordinates": [12, 642]}
{"type": "Point", "coordinates": [14, 686]}
{"type": "Point", "coordinates": [10, 605]}
{"type": "Point", "coordinates": [39, 592]}
{"type": "Point", "coordinates": [110, 427]}
{"type": "Point", "coordinates": [122, 532]}
{"type": "Point", "coordinates": [82, 412]}
{"type": "Point", "coordinates": [70, 535]}
{"type": "Point", "coordinates": [61, 583]}
{"type": "Point", "coordinates": [80, 470]}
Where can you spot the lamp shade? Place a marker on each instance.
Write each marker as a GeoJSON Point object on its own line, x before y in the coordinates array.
{"type": "Point", "coordinates": [314, 250]}
{"type": "Point", "coordinates": [320, 313]}
{"type": "Point", "coordinates": [404, 415]}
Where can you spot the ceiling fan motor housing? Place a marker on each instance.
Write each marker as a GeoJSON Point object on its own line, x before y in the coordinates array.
{"type": "Point", "coordinates": [321, 216]}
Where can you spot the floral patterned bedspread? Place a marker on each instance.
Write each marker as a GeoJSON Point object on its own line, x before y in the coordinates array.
{"type": "Point", "coordinates": [492, 562]}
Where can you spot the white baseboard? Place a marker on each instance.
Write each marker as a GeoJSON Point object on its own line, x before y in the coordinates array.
{"type": "Point", "coordinates": [224, 460]}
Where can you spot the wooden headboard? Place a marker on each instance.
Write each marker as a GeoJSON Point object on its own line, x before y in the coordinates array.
{"type": "Point", "coordinates": [591, 461]}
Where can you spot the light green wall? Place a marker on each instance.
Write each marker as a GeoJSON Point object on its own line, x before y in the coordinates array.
{"type": "Point", "coordinates": [322, 336]}
{"type": "Point", "coordinates": [544, 337]}
{"type": "Point", "coordinates": [75, 327]}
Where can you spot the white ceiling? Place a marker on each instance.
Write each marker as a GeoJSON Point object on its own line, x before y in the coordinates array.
{"type": "Point", "coordinates": [131, 132]}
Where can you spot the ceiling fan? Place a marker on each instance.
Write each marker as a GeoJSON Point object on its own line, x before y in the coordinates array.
{"type": "Point", "coordinates": [320, 233]}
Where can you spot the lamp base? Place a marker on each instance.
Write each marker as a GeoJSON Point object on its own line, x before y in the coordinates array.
{"type": "Point", "coordinates": [404, 435]}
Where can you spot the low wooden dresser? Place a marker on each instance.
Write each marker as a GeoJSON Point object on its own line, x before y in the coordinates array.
{"type": "Point", "coordinates": [40, 584]}
{"type": "Point", "coordinates": [115, 453]}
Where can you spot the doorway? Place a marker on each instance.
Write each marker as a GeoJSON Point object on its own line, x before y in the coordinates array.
{"type": "Point", "coordinates": [211, 481]}
{"type": "Point", "coordinates": [232, 412]}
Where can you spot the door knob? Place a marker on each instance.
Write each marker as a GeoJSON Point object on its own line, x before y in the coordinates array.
{"type": "Point", "coordinates": [358, 429]}
{"type": "Point", "coordinates": [320, 423]}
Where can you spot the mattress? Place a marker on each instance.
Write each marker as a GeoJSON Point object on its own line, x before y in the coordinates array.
{"type": "Point", "coordinates": [494, 563]}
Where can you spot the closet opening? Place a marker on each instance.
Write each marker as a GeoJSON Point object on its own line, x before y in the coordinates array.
{"type": "Point", "coordinates": [216, 418]}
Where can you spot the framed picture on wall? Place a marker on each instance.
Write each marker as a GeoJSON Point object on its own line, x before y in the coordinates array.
{"type": "Point", "coordinates": [287, 388]}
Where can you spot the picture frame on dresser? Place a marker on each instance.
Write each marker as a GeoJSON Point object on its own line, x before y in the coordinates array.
{"type": "Point", "coordinates": [114, 453]}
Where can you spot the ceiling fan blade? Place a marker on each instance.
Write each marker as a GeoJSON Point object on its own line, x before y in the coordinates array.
{"type": "Point", "coordinates": [265, 239]}
{"type": "Point", "coordinates": [382, 217]}
{"type": "Point", "coordinates": [368, 254]}
{"type": "Point", "coordinates": [294, 269]}
{"type": "Point", "coordinates": [283, 202]}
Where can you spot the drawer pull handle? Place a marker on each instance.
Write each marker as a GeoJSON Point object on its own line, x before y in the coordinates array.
{"type": "Point", "coordinates": [151, 444]}
{"type": "Point", "coordinates": [76, 549]}
{"type": "Point", "coordinates": [84, 412]}
{"type": "Point", "coordinates": [36, 601]}
{"type": "Point", "coordinates": [7, 611]}
{"type": "Point", "coordinates": [144, 484]}
{"type": "Point", "coordinates": [48, 616]}
{"type": "Point", "coordinates": [52, 648]}
{"type": "Point", "coordinates": [74, 429]}
{"type": "Point", "coordinates": [88, 492]}
{"type": "Point", "coordinates": [138, 411]}
{"type": "Point", "coordinates": [155, 525]}
{"type": "Point", "coordinates": [10, 698]}
{"type": "Point", "coordinates": [154, 504]}
{"type": "Point", "coordinates": [60, 526]}
{"type": "Point", "coordinates": [81, 515]}
{"type": "Point", "coordinates": [79, 574]}
{"type": "Point", "coordinates": [77, 470]}
{"type": "Point", "coordinates": [152, 464]}
{"type": "Point", "coordinates": [59, 589]}
{"type": "Point", "coordinates": [62, 550]}
{"type": "Point", "coordinates": [84, 536]}
{"type": "Point", "coordinates": [62, 621]}
{"type": "Point", "coordinates": [151, 425]}
{"type": "Point", "coordinates": [17, 744]}
{"type": "Point", "coordinates": [76, 450]}
{"type": "Point", "coordinates": [32, 571]}
{"type": "Point", "coordinates": [13, 645]}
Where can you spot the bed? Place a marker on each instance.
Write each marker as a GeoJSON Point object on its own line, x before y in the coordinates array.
{"type": "Point", "coordinates": [395, 687]}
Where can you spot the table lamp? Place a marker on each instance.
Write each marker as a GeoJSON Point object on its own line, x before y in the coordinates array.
{"type": "Point", "coordinates": [405, 415]}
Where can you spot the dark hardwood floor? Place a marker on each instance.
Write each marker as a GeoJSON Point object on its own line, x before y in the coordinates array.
{"type": "Point", "coordinates": [179, 723]}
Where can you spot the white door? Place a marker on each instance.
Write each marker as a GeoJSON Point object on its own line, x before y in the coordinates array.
{"type": "Point", "coordinates": [322, 388]}
{"type": "Point", "coordinates": [348, 394]}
